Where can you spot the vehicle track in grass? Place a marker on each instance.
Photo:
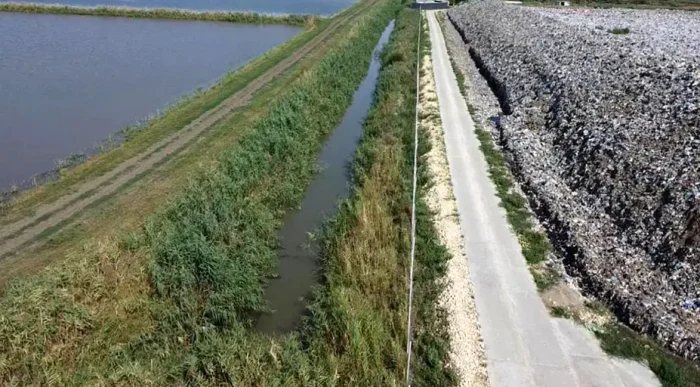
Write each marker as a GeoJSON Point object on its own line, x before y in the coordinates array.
{"type": "Point", "coordinates": [21, 233]}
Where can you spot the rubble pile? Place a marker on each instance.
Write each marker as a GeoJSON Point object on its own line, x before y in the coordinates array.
{"type": "Point", "coordinates": [603, 129]}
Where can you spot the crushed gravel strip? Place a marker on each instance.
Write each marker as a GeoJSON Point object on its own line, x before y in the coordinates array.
{"type": "Point", "coordinates": [466, 347]}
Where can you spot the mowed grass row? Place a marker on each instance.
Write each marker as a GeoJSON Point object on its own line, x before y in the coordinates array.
{"type": "Point", "coordinates": [104, 317]}
{"type": "Point", "coordinates": [160, 13]}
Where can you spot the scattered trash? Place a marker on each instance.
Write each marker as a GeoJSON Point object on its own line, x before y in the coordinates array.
{"type": "Point", "coordinates": [601, 136]}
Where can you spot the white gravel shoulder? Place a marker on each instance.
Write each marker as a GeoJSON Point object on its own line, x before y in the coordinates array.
{"type": "Point", "coordinates": [466, 348]}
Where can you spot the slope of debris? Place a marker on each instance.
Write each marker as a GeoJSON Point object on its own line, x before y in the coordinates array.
{"type": "Point", "coordinates": [603, 129]}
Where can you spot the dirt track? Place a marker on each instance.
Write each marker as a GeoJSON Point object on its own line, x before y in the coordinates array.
{"type": "Point", "coordinates": [17, 235]}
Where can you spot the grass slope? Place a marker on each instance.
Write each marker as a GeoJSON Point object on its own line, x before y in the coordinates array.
{"type": "Point", "coordinates": [104, 318]}
{"type": "Point", "coordinates": [159, 13]}
{"type": "Point", "coordinates": [534, 243]}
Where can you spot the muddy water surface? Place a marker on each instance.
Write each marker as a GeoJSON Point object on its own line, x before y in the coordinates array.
{"type": "Point", "coordinates": [68, 82]}
{"type": "Point", "coordinates": [298, 265]}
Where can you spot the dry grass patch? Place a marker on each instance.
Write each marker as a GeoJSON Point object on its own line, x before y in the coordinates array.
{"type": "Point", "coordinates": [73, 316]}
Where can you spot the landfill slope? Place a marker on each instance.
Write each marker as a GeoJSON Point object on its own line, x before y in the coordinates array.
{"type": "Point", "coordinates": [603, 130]}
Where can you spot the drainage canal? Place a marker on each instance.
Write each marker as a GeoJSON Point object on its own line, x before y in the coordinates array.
{"type": "Point", "coordinates": [298, 256]}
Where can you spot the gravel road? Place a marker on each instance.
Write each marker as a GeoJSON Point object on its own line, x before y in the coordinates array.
{"type": "Point", "coordinates": [457, 300]}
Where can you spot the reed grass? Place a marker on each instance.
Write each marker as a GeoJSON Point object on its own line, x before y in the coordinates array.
{"type": "Point", "coordinates": [212, 247]}
{"type": "Point", "coordinates": [210, 260]}
{"type": "Point", "coordinates": [140, 137]}
{"type": "Point", "coordinates": [161, 13]}
{"type": "Point", "coordinates": [359, 316]}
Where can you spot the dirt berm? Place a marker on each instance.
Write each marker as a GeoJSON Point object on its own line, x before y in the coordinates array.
{"type": "Point", "coordinates": [602, 128]}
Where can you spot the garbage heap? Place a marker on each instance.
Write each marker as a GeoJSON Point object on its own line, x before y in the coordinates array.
{"type": "Point", "coordinates": [602, 127]}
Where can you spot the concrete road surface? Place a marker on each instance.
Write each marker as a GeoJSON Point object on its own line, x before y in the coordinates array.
{"type": "Point", "coordinates": [524, 345]}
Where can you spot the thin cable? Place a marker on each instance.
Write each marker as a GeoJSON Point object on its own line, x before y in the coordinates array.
{"type": "Point", "coordinates": [409, 329]}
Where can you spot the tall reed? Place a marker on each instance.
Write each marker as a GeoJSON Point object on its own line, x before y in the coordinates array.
{"type": "Point", "coordinates": [161, 13]}
{"type": "Point", "coordinates": [213, 245]}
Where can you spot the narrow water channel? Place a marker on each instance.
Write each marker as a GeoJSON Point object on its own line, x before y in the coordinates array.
{"type": "Point", "coordinates": [298, 264]}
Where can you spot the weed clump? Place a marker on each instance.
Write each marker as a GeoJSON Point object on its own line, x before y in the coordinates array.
{"type": "Point", "coordinates": [672, 371]}
{"type": "Point", "coordinates": [619, 31]}
{"type": "Point", "coordinates": [561, 312]}
{"type": "Point", "coordinates": [209, 252]}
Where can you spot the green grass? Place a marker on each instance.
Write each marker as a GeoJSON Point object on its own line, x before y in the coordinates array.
{"type": "Point", "coordinates": [671, 370]}
{"type": "Point", "coordinates": [597, 307]}
{"type": "Point", "coordinates": [545, 277]}
{"type": "Point", "coordinates": [163, 13]}
{"type": "Point", "coordinates": [561, 312]}
{"type": "Point", "coordinates": [619, 31]}
{"type": "Point", "coordinates": [363, 305]}
{"type": "Point", "coordinates": [210, 260]}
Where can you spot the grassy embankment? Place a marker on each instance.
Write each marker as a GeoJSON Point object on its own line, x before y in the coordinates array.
{"type": "Point", "coordinates": [175, 117]}
{"type": "Point", "coordinates": [122, 212]}
{"type": "Point", "coordinates": [160, 13]}
{"type": "Point", "coordinates": [616, 339]}
{"type": "Point", "coordinates": [105, 316]}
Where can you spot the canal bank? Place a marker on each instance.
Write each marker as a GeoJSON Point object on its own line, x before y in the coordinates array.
{"type": "Point", "coordinates": [288, 294]}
